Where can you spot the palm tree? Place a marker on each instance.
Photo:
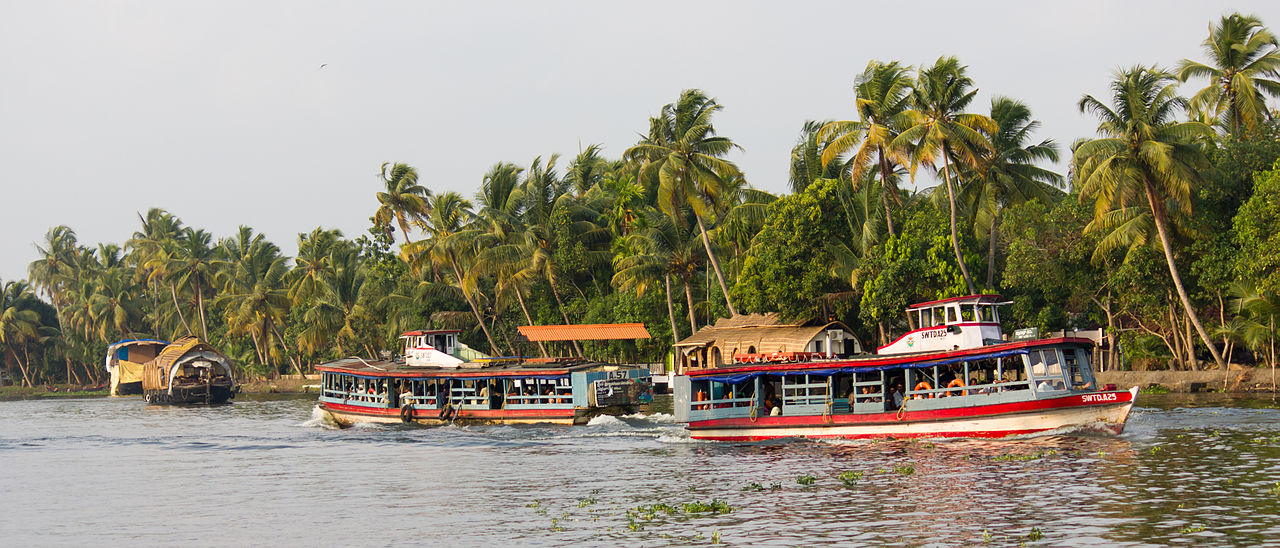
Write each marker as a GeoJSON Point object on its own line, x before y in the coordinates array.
{"type": "Point", "coordinates": [882, 98]}
{"type": "Point", "coordinates": [1145, 164]}
{"type": "Point", "coordinates": [254, 296]}
{"type": "Point", "coordinates": [806, 158]}
{"type": "Point", "coordinates": [1007, 174]}
{"type": "Point", "coordinates": [1257, 310]}
{"type": "Point", "coordinates": [587, 170]}
{"type": "Point", "coordinates": [449, 216]}
{"type": "Point", "coordinates": [18, 323]}
{"type": "Point", "coordinates": [940, 130]}
{"type": "Point", "coordinates": [1244, 64]}
{"type": "Point", "coordinates": [662, 250]}
{"type": "Point", "coordinates": [683, 154]}
{"type": "Point", "coordinates": [54, 271]}
{"type": "Point", "coordinates": [403, 199]}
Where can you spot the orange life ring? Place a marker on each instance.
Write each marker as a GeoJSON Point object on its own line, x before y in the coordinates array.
{"type": "Point", "coordinates": [956, 383]}
{"type": "Point", "coordinates": [923, 385]}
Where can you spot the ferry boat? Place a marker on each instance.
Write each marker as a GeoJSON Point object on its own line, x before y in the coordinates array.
{"type": "Point", "coordinates": [429, 385]}
{"type": "Point", "coordinates": [951, 375]}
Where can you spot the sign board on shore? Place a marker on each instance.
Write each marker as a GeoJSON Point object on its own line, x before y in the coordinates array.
{"type": "Point", "coordinates": [1026, 334]}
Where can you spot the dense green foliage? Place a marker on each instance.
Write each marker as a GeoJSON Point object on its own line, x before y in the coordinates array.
{"type": "Point", "coordinates": [1165, 232]}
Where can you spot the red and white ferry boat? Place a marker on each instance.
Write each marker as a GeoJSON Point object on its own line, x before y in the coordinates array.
{"type": "Point", "coordinates": [952, 375]}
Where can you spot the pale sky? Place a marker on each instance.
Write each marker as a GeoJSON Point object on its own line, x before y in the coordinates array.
{"type": "Point", "coordinates": [222, 113]}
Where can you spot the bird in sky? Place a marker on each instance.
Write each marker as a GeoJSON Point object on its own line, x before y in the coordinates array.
{"type": "Point", "coordinates": [323, 65]}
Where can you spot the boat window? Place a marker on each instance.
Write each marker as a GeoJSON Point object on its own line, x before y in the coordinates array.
{"type": "Point", "coordinates": [951, 314]}
{"type": "Point", "coordinates": [939, 316]}
{"type": "Point", "coordinates": [923, 383]}
{"type": "Point", "coordinates": [867, 392]}
{"type": "Point", "coordinates": [802, 390]}
{"type": "Point", "coordinates": [731, 395]}
{"type": "Point", "coordinates": [1046, 370]}
{"type": "Point", "coordinates": [1078, 371]}
{"type": "Point", "coordinates": [967, 313]}
{"type": "Point", "coordinates": [986, 313]}
{"type": "Point", "coordinates": [701, 394]}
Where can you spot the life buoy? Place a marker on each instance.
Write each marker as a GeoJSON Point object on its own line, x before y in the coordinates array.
{"type": "Point", "coordinates": [406, 413]}
{"type": "Point", "coordinates": [956, 383]}
{"type": "Point", "coordinates": [146, 397]}
{"type": "Point", "coordinates": [446, 411]}
{"type": "Point", "coordinates": [923, 385]}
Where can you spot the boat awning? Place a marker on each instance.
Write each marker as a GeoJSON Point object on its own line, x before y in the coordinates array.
{"type": "Point", "coordinates": [585, 332]}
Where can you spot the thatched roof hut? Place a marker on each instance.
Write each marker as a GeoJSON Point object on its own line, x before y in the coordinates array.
{"type": "Point", "coordinates": [715, 345]}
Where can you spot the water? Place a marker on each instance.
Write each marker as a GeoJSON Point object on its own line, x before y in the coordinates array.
{"type": "Point", "coordinates": [112, 471]}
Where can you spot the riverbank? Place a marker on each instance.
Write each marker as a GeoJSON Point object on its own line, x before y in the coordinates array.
{"type": "Point", "coordinates": [51, 391]}
{"type": "Point", "coordinates": [1240, 381]}
{"type": "Point", "coordinates": [287, 384]}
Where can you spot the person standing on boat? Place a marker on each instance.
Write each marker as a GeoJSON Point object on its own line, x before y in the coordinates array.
{"type": "Point", "coordinates": [898, 398]}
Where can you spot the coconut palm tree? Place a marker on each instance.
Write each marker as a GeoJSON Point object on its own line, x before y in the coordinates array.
{"type": "Point", "coordinates": [402, 200]}
{"type": "Point", "coordinates": [254, 296]}
{"type": "Point", "coordinates": [1243, 68]}
{"type": "Point", "coordinates": [663, 249]}
{"type": "Point", "coordinates": [586, 170]}
{"type": "Point", "coordinates": [1145, 164]}
{"type": "Point", "coordinates": [882, 98]}
{"type": "Point", "coordinates": [1007, 174]}
{"type": "Point", "coordinates": [448, 226]}
{"type": "Point", "coordinates": [54, 271]}
{"type": "Point", "coordinates": [683, 154]}
{"type": "Point", "coordinates": [940, 131]}
{"type": "Point", "coordinates": [19, 324]}
{"type": "Point", "coordinates": [1257, 311]}
{"type": "Point", "coordinates": [806, 158]}
{"type": "Point", "coordinates": [194, 265]}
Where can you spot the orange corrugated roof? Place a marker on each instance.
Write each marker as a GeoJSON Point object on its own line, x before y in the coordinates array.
{"type": "Point", "coordinates": [586, 332]}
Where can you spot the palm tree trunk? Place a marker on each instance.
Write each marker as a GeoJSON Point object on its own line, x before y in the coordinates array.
{"type": "Point", "coordinates": [563, 314]}
{"type": "Point", "coordinates": [26, 378]}
{"type": "Point", "coordinates": [453, 261]}
{"type": "Point", "coordinates": [688, 295]}
{"type": "Point", "coordinates": [1158, 215]}
{"type": "Point", "coordinates": [173, 290]}
{"type": "Point", "coordinates": [706, 242]}
{"type": "Point", "coordinates": [204, 328]}
{"type": "Point", "coordinates": [955, 239]}
{"type": "Point", "coordinates": [404, 228]}
{"type": "Point", "coordinates": [885, 173]}
{"type": "Point", "coordinates": [520, 297]}
{"type": "Point", "coordinates": [991, 253]}
{"type": "Point", "coordinates": [671, 311]}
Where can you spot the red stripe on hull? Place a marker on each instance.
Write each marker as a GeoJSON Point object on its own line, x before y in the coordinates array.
{"type": "Point", "coordinates": [484, 414]}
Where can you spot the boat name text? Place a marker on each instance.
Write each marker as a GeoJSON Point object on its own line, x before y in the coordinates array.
{"type": "Point", "coordinates": [1091, 398]}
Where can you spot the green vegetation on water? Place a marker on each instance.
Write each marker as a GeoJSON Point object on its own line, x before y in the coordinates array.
{"type": "Point", "coordinates": [1165, 230]}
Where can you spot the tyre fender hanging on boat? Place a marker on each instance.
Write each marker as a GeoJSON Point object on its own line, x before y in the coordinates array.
{"type": "Point", "coordinates": [406, 413]}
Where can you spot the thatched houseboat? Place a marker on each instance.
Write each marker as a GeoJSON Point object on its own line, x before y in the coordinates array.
{"type": "Point", "coordinates": [750, 338]}
{"type": "Point", "coordinates": [124, 363]}
{"type": "Point", "coordinates": [188, 371]}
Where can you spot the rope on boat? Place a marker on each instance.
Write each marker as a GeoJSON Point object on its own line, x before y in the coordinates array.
{"type": "Point", "coordinates": [367, 364]}
{"type": "Point", "coordinates": [754, 413]}
{"type": "Point", "coordinates": [827, 414]}
{"type": "Point", "coordinates": [902, 411]}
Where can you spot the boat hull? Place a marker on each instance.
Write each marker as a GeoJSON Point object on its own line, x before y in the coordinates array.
{"type": "Point", "coordinates": [1100, 411]}
{"type": "Point", "coordinates": [189, 395]}
{"type": "Point", "coordinates": [349, 415]}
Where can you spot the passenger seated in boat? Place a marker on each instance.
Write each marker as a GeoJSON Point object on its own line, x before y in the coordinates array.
{"type": "Point", "coordinates": [772, 405]}
{"type": "Point", "coordinates": [484, 395]}
{"type": "Point", "coordinates": [1044, 386]}
{"type": "Point", "coordinates": [897, 396]}
{"type": "Point", "coordinates": [406, 394]}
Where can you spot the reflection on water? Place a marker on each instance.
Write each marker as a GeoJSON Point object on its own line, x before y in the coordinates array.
{"type": "Point", "coordinates": [109, 471]}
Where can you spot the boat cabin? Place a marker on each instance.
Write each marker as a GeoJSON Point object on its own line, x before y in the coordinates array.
{"type": "Point", "coordinates": [436, 348]}
{"type": "Point", "coordinates": [1024, 372]}
{"type": "Point", "coordinates": [125, 360]}
{"type": "Point", "coordinates": [957, 323]}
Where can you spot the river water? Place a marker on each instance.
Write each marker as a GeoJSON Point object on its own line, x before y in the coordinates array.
{"type": "Point", "coordinates": [269, 470]}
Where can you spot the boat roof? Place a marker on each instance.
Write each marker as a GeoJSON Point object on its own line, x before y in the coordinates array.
{"type": "Point", "coordinates": [127, 342]}
{"type": "Point", "coordinates": [891, 360]}
{"type": "Point", "coordinates": [584, 332]}
{"type": "Point", "coordinates": [990, 298]}
{"type": "Point", "coordinates": [384, 368]}
{"type": "Point", "coordinates": [430, 332]}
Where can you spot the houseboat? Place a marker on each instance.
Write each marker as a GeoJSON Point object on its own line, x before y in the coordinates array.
{"type": "Point", "coordinates": [188, 371]}
{"type": "Point", "coordinates": [124, 363]}
{"type": "Point", "coordinates": [951, 375]}
{"type": "Point", "coordinates": [431, 385]}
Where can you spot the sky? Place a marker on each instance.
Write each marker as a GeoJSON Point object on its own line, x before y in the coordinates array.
{"type": "Point", "coordinates": [278, 115]}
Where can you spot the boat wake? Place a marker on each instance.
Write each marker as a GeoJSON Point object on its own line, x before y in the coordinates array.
{"type": "Point", "coordinates": [320, 419]}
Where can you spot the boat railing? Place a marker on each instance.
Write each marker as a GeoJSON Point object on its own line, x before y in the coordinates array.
{"type": "Point", "coordinates": [723, 403]}
{"type": "Point", "coordinates": [971, 390]}
{"type": "Point", "coordinates": [541, 399]}
{"type": "Point", "coordinates": [356, 396]}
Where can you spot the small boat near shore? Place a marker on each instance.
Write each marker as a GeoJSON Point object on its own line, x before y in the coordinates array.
{"type": "Point", "coordinates": [125, 360]}
{"type": "Point", "coordinates": [430, 386]}
{"type": "Point", "coordinates": [964, 380]}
